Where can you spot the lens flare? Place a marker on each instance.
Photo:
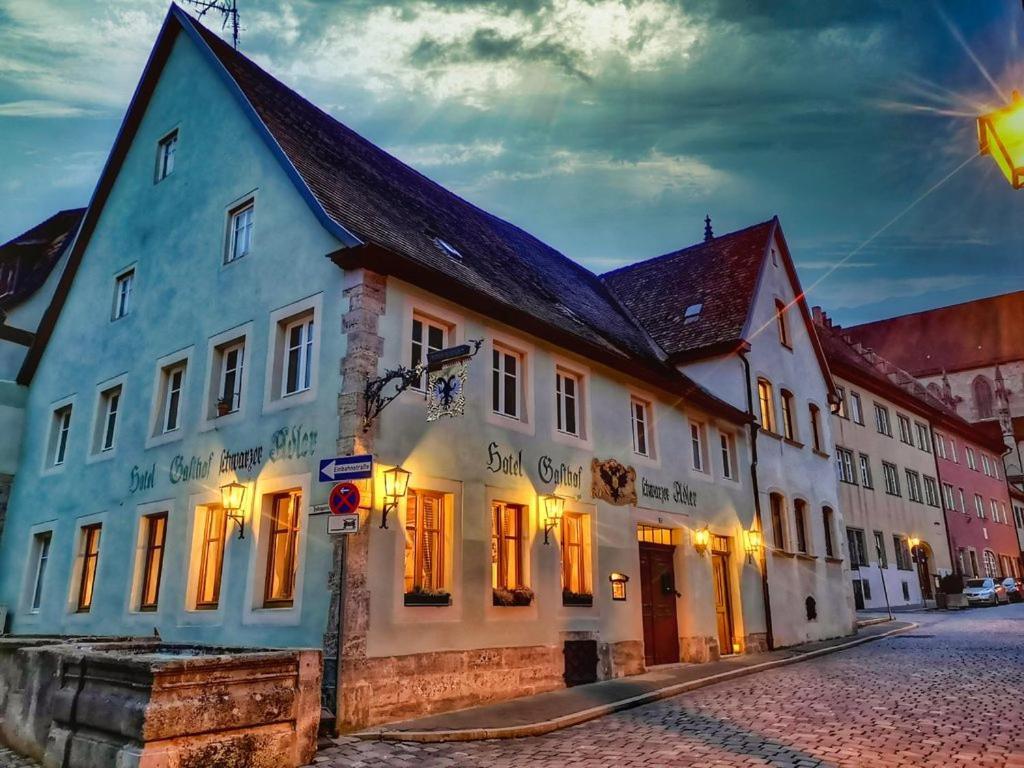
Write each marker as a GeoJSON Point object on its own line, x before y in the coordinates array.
{"type": "Point", "coordinates": [1001, 135]}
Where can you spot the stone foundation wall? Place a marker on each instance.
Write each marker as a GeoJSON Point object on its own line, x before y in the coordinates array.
{"type": "Point", "coordinates": [700, 649]}
{"type": "Point", "coordinates": [755, 642]}
{"type": "Point", "coordinates": [620, 659]}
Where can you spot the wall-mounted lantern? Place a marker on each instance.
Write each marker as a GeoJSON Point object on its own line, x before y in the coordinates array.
{"type": "Point", "coordinates": [1001, 135]}
{"type": "Point", "coordinates": [396, 483]}
{"type": "Point", "coordinates": [701, 540]}
{"type": "Point", "coordinates": [618, 581]}
{"type": "Point", "coordinates": [554, 507]}
{"type": "Point", "coordinates": [231, 498]}
{"type": "Point", "coordinates": [915, 547]}
{"type": "Point", "coordinates": [752, 543]}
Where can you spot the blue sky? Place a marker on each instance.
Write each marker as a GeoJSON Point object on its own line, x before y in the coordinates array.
{"type": "Point", "coordinates": [608, 128]}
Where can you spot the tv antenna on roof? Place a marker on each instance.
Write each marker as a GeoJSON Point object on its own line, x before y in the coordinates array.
{"type": "Point", "coordinates": [228, 10]}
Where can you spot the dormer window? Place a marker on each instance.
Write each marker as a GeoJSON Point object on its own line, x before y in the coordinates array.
{"type": "Point", "coordinates": [449, 250]}
{"type": "Point", "coordinates": [692, 313]}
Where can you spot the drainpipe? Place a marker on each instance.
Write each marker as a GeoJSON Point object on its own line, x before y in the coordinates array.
{"type": "Point", "coordinates": [769, 635]}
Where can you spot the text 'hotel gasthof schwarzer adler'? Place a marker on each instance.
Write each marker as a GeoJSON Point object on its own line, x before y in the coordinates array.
{"type": "Point", "coordinates": [613, 472]}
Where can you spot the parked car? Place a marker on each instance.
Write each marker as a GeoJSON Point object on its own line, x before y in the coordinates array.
{"type": "Point", "coordinates": [985, 592]}
{"type": "Point", "coordinates": [1013, 589]}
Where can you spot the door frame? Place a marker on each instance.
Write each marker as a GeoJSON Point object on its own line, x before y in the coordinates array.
{"type": "Point", "coordinates": [725, 557]}
{"type": "Point", "coordinates": [668, 549]}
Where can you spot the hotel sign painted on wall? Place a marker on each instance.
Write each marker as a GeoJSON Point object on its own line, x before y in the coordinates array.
{"type": "Point", "coordinates": [511, 463]}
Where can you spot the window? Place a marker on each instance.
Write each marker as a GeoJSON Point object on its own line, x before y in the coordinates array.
{"type": "Point", "coordinates": [41, 547]}
{"type": "Point", "coordinates": [892, 478]}
{"type": "Point", "coordinates": [506, 546]}
{"type": "Point", "coordinates": [995, 469]}
{"type": "Point", "coordinates": [240, 223]}
{"type": "Point", "coordinates": [841, 410]}
{"type": "Point", "coordinates": [931, 491]}
{"type": "Point", "coordinates": [974, 562]}
{"type": "Point", "coordinates": [778, 521]}
{"type": "Point", "coordinates": [856, 409]}
{"type": "Point", "coordinates": [865, 472]}
{"type": "Point", "coordinates": [940, 446]}
{"type": "Point", "coordinates": [567, 403]}
{"type": "Point", "coordinates": [906, 590]}
{"type": "Point", "coordinates": [788, 427]}
{"type": "Point", "coordinates": [781, 320]}
{"type": "Point", "coordinates": [947, 497]}
{"type": "Point", "coordinates": [89, 553]}
{"type": "Point", "coordinates": [298, 357]}
{"type": "Point", "coordinates": [728, 448]}
{"type": "Point", "coordinates": [692, 313]}
{"type": "Point", "coordinates": [279, 590]}
{"type": "Point", "coordinates": [211, 564]}
{"type": "Point", "coordinates": [427, 336]}
{"type": "Point", "coordinates": [844, 465]}
{"type": "Point", "coordinates": [828, 522]}
{"type": "Point", "coordinates": [815, 427]}
{"type": "Point", "coordinates": [903, 559]}
{"type": "Point", "coordinates": [963, 502]}
{"type": "Point", "coordinates": [767, 404]}
{"type": "Point", "coordinates": [800, 519]}
{"type": "Point", "coordinates": [982, 389]}
{"type": "Point", "coordinates": [697, 446]}
{"type": "Point", "coordinates": [124, 284]}
{"type": "Point", "coordinates": [640, 412]}
{"type": "Point", "coordinates": [986, 465]}
{"type": "Point", "coordinates": [924, 441]}
{"type": "Point", "coordinates": [173, 377]}
{"type": "Point", "coordinates": [914, 486]}
{"type": "Point", "coordinates": [858, 547]}
{"type": "Point", "coordinates": [979, 505]}
{"type": "Point", "coordinates": [866, 587]}
{"type": "Point", "coordinates": [229, 384]}
{"type": "Point", "coordinates": [106, 426]}
{"type": "Point", "coordinates": [972, 462]}
{"type": "Point", "coordinates": [882, 423]}
{"type": "Point", "coordinates": [995, 510]}
{"type": "Point", "coordinates": [506, 369]}
{"type": "Point", "coordinates": [574, 555]}
{"type": "Point", "coordinates": [165, 152]}
{"type": "Point", "coordinates": [59, 435]}
{"type": "Point", "coordinates": [883, 557]}
{"type": "Point", "coordinates": [952, 450]}
{"type": "Point", "coordinates": [425, 542]}
{"type": "Point", "coordinates": [153, 565]}
{"type": "Point", "coordinates": [906, 436]}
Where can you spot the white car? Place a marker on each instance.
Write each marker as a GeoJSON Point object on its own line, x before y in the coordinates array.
{"type": "Point", "coordinates": [985, 592]}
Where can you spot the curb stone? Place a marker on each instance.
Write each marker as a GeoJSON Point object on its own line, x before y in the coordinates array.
{"type": "Point", "coordinates": [575, 718]}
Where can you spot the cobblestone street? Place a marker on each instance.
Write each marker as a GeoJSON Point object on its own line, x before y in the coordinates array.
{"type": "Point", "coordinates": [950, 693]}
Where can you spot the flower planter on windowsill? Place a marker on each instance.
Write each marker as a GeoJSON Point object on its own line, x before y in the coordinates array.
{"type": "Point", "coordinates": [514, 597]}
{"type": "Point", "coordinates": [428, 598]}
{"type": "Point", "coordinates": [577, 598]}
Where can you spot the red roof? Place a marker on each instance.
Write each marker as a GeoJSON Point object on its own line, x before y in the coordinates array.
{"type": "Point", "coordinates": [974, 334]}
{"type": "Point", "coordinates": [36, 252]}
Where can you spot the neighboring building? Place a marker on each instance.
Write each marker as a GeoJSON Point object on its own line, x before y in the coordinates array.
{"type": "Point", "coordinates": [730, 313]}
{"type": "Point", "coordinates": [242, 354]}
{"type": "Point", "coordinates": [1017, 503]}
{"type": "Point", "coordinates": [888, 479]}
{"type": "Point", "coordinates": [30, 265]}
{"type": "Point", "coordinates": [971, 356]}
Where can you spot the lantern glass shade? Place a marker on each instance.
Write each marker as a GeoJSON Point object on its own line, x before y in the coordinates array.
{"type": "Point", "coordinates": [914, 542]}
{"type": "Point", "coordinates": [554, 506]}
{"type": "Point", "coordinates": [752, 541]}
{"type": "Point", "coordinates": [1001, 135]}
{"type": "Point", "coordinates": [396, 482]}
{"type": "Point", "coordinates": [231, 496]}
{"type": "Point", "coordinates": [701, 538]}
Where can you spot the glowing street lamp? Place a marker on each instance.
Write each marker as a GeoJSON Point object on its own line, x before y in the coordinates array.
{"type": "Point", "coordinates": [1001, 135]}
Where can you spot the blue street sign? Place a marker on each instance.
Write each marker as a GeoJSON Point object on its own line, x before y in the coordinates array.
{"type": "Point", "coordinates": [346, 468]}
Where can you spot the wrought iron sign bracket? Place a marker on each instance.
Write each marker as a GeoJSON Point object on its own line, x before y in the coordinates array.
{"type": "Point", "coordinates": [404, 377]}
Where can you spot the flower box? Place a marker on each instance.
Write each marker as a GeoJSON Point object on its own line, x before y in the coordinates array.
{"type": "Point", "coordinates": [428, 598]}
{"type": "Point", "coordinates": [577, 598]}
{"type": "Point", "coordinates": [513, 597]}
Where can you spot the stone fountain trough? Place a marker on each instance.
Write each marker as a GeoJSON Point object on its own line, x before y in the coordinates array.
{"type": "Point", "coordinates": [141, 703]}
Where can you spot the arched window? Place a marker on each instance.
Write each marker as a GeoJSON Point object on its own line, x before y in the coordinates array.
{"type": "Point", "coordinates": [827, 520]}
{"type": "Point", "coordinates": [815, 426]}
{"type": "Point", "coordinates": [788, 418]}
{"type": "Point", "coordinates": [982, 397]}
{"type": "Point", "coordinates": [800, 521]}
{"type": "Point", "coordinates": [991, 570]}
{"type": "Point", "coordinates": [767, 403]}
{"type": "Point", "coordinates": [778, 506]}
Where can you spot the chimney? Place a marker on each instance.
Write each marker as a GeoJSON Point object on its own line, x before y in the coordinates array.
{"type": "Point", "coordinates": [708, 233]}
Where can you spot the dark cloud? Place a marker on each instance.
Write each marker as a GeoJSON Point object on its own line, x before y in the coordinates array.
{"type": "Point", "coordinates": [489, 45]}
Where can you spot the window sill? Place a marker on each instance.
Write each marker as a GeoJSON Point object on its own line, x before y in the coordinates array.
{"type": "Point", "coordinates": [806, 556]}
{"type": "Point", "coordinates": [431, 601]}
{"type": "Point", "coordinates": [834, 560]}
{"type": "Point", "coordinates": [769, 433]}
{"type": "Point", "coordinates": [822, 454]}
{"type": "Point", "coordinates": [783, 552]}
{"type": "Point", "coordinates": [791, 441]}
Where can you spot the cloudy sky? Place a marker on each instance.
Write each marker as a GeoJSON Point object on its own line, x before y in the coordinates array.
{"type": "Point", "coordinates": [607, 128]}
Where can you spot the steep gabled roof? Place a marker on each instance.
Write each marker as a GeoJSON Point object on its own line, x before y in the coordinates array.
{"type": "Point", "coordinates": [36, 252]}
{"type": "Point", "coordinates": [974, 334]}
{"type": "Point", "coordinates": [393, 219]}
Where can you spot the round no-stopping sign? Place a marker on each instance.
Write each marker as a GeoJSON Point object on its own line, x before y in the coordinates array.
{"type": "Point", "coordinates": [344, 499]}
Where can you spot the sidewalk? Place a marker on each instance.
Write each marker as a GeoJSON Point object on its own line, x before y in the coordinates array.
{"type": "Point", "coordinates": [546, 712]}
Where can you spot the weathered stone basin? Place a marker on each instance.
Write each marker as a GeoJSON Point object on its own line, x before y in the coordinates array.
{"type": "Point", "coordinates": [91, 703]}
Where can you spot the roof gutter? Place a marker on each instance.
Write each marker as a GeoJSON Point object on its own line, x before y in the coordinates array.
{"type": "Point", "coordinates": [386, 262]}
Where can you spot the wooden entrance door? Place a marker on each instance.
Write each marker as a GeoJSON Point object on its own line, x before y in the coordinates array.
{"type": "Point", "coordinates": [723, 601]}
{"type": "Point", "coordinates": [923, 576]}
{"type": "Point", "coordinates": [658, 601]}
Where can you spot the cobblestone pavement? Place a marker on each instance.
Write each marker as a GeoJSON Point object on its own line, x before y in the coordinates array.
{"type": "Point", "coordinates": [950, 693]}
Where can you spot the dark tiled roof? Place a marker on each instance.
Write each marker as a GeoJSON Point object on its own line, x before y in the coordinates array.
{"type": "Point", "coordinates": [385, 202]}
{"type": "Point", "coordinates": [974, 334]}
{"type": "Point", "coordinates": [720, 274]}
{"type": "Point", "coordinates": [36, 252]}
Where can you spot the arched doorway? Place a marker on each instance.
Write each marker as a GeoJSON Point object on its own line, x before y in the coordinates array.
{"type": "Point", "coordinates": [923, 558]}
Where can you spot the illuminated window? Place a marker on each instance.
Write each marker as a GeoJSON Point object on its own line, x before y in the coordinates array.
{"type": "Point", "coordinates": [650, 534]}
{"type": "Point", "coordinates": [575, 575]}
{"type": "Point", "coordinates": [89, 553]}
{"type": "Point", "coordinates": [211, 563]}
{"type": "Point", "coordinates": [41, 547]}
{"type": "Point", "coordinates": [153, 563]}
{"type": "Point", "coordinates": [425, 522]}
{"type": "Point", "coordinates": [767, 404]}
{"type": "Point", "coordinates": [788, 421]}
{"type": "Point", "coordinates": [507, 545]}
{"type": "Point", "coordinates": [279, 590]}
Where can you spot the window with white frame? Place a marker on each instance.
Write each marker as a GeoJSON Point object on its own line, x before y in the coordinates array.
{"type": "Point", "coordinates": [924, 441]}
{"type": "Point", "coordinates": [882, 423]}
{"type": "Point", "coordinates": [296, 375]}
{"type": "Point", "coordinates": [906, 436]}
{"type": "Point", "coordinates": [972, 462]}
{"type": "Point", "coordinates": [865, 472]}
{"type": "Point", "coordinates": [995, 469]}
{"type": "Point", "coordinates": [995, 509]}
{"type": "Point", "coordinates": [292, 365]}
{"type": "Point", "coordinates": [240, 226]}
{"type": "Point", "coordinates": [948, 499]}
{"type": "Point", "coordinates": [697, 446]}
{"type": "Point", "coordinates": [963, 500]}
{"type": "Point", "coordinates": [727, 445]}
{"type": "Point", "coordinates": [427, 336]}
{"type": "Point", "coordinates": [892, 478]}
{"type": "Point", "coordinates": [41, 557]}
{"type": "Point", "coordinates": [952, 451]}
{"type": "Point", "coordinates": [931, 491]}
{"type": "Point", "coordinates": [166, 150]}
{"type": "Point", "coordinates": [106, 419]}
{"type": "Point", "coordinates": [844, 465]}
{"type": "Point", "coordinates": [506, 382]}
{"type": "Point", "coordinates": [640, 415]}
{"type": "Point", "coordinates": [766, 402]}
{"type": "Point", "coordinates": [979, 505]}
{"type": "Point", "coordinates": [568, 391]}
{"type": "Point", "coordinates": [172, 386]}
{"type": "Point", "coordinates": [940, 445]}
{"type": "Point", "coordinates": [914, 486]}
{"type": "Point", "coordinates": [788, 417]}
{"type": "Point", "coordinates": [59, 430]}
{"type": "Point", "coordinates": [230, 371]}
{"type": "Point", "coordinates": [124, 285]}
{"type": "Point", "coordinates": [841, 410]}
{"type": "Point", "coordinates": [856, 408]}
{"type": "Point", "coordinates": [986, 465]}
